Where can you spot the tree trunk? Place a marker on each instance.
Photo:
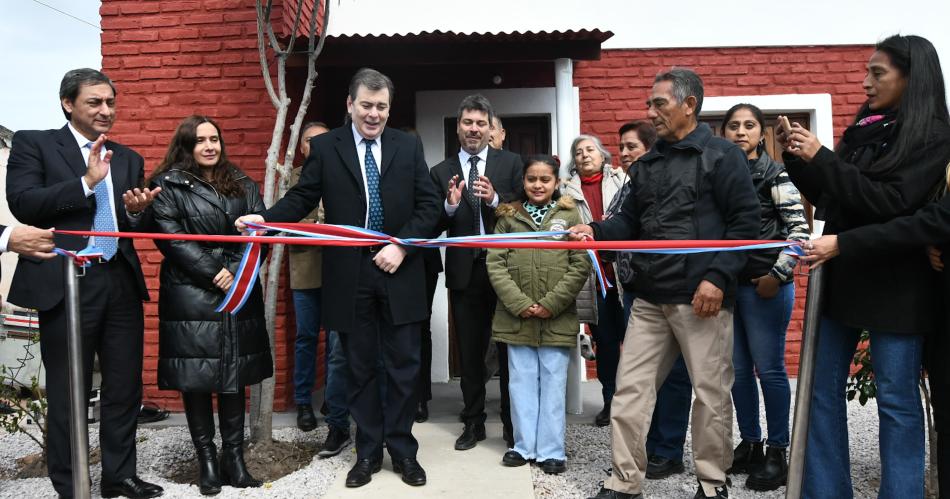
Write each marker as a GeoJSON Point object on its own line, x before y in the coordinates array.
{"type": "Point", "coordinates": [277, 175]}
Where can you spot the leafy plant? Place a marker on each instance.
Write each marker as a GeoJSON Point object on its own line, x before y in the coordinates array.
{"type": "Point", "coordinates": [861, 383]}
{"type": "Point", "coordinates": [22, 410]}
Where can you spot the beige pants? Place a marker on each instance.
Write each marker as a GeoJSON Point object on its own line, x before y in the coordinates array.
{"type": "Point", "coordinates": [656, 334]}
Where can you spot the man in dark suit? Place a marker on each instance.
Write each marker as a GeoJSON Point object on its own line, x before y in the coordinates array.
{"type": "Point", "coordinates": [370, 176]}
{"type": "Point", "coordinates": [73, 178]}
{"type": "Point", "coordinates": [472, 183]}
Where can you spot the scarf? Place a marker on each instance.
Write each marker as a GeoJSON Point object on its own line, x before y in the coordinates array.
{"type": "Point", "coordinates": [866, 141]}
{"type": "Point", "coordinates": [537, 213]}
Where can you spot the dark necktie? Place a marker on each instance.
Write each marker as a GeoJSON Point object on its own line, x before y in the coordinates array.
{"type": "Point", "coordinates": [470, 192]}
{"type": "Point", "coordinates": [375, 206]}
{"type": "Point", "coordinates": [102, 220]}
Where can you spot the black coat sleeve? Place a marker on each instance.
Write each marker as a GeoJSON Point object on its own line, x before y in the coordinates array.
{"type": "Point", "coordinates": [929, 226]}
{"type": "Point", "coordinates": [31, 201]}
{"type": "Point", "coordinates": [304, 196]}
{"type": "Point", "coordinates": [513, 188]}
{"type": "Point", "coordinates": [624, 225]}
{"type": "Point", "coordinates": [425, 215]}
{"type": "Point", "coordinates": [440, 183]}
{"type": "Point", "coordinates": [893, 195]}
{"type": "Point", "coordinates": [739, 205]}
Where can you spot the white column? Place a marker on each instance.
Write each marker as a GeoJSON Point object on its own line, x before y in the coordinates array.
{"type": "Point", "coordinates": [566, 129]}
{"type": "Point", "coordinates": [564, 101]}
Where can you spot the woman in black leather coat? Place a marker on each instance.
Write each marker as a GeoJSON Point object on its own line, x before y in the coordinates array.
{"type": "Point", "coordinates": [202, 351]}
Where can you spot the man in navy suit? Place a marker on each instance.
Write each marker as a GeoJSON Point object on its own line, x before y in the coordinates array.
{"type": "Point", "coordinates": [472, 182]}
{"type": "Point", "coordinates": [372, 176]}
{"type": "Point", "coordinates": [75, 179]}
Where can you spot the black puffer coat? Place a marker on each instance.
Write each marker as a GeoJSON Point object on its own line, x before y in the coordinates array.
{"type": "Point", "coordinates": [201, 350]}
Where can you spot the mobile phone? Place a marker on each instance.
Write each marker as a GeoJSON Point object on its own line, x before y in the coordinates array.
{"type": "Point", "coordinates": [783, 122]}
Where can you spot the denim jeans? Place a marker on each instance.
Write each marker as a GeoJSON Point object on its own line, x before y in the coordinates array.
{"type": "Point", "coordinates": [307, 304]}
{"type": "Point", "coordinates": [897, 362]}
{"type": "Point", "coordinates": [668, 428]}
{"type": "Point", "coordinates": [608, 336]}
{"type": "Point", "coordinates": [537, 385]}
{"type": "Point", "coordinates": [335, 393]}
{"type": "Point", "coordinates": [759, 339]}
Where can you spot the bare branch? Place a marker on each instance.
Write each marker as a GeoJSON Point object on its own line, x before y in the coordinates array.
{"type": "Point", "coordinates": [293, 32]}
{"type": "Point", "coordinates": [262, 50]}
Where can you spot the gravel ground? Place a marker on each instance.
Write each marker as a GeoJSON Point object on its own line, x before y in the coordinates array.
{"type": "Point", "coordinates": [162, 451]}
{"type": "Point", "coordinates": [588, 458]}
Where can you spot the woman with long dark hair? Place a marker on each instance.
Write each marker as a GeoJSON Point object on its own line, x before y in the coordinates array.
{"type": "Point", "coordinates": [764, 301]}
{"type": "Point", "coordinates": [201, 351]}
{"type": "Point", "coordinates": [888, 164]}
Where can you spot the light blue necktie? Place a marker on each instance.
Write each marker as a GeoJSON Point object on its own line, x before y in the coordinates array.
{"type": "Point", "coordinates": [102, 222]}
{"type": "Point", "coordinates": [372, 185]}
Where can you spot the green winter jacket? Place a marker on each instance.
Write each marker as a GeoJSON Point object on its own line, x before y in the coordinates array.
{"type": "Point", "coordinates": [522, 277]}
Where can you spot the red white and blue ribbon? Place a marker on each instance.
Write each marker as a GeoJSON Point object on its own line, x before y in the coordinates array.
{"type": "Point", "coordinates": [349, 236]}
{"type": "Point", "coordinates": [244, 280]}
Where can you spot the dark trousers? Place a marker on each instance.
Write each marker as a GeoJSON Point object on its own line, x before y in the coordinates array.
{"type": "Point", "coordinates": [608, 336]}
{"type": "Point", "coordinates": [374, 333]}
{"type": "Point", "coordinates": [472, 311]}
{"type": "Point", "coordinates": [112, 327]}
{"type": "Point", "coordinates": [425, 369]}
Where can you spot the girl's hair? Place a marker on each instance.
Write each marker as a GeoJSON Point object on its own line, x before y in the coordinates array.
{"type": "Point", "coordinates": [180, 155]}
{"type": "Point", "coordinates": [572, 167]}
{"type": "Point", "coordinates": [544, 159]}
{"type": "Point", "coordinates": [756, 113]}
{"type": "Point", "coordinates": [924, 98]}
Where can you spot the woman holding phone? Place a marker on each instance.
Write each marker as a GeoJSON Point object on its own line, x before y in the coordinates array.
{"type": "Point", "coordinates": [888, 164]}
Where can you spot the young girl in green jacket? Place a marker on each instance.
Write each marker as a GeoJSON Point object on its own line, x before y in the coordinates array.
{"type": "Point", "coordinates": [536, 315]}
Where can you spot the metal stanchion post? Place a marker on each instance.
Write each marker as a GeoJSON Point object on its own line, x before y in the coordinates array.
{"type": "Point", "coordinates": [78, 430]}
{"type": "Point", "coordinates": [806, 380]}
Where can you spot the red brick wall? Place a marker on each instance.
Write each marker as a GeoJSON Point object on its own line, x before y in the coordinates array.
{"type": "Point", "coordinates": [614, 90]}
{"type": "Point", "coordinates": [170, 59]}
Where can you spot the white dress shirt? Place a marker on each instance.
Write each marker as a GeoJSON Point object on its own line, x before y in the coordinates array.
{"type": "Point", "coordinates": [5, 238]}
{"type": "Point", "coordinates": [466, 166]}
{"type": "Point", "coordinates": [377, 147]}
{"type": "Point", "coordinates": [82, 141]}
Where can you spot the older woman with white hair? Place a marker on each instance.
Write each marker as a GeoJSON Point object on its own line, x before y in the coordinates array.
{"type": "Point", "coordinates": [593, 182]}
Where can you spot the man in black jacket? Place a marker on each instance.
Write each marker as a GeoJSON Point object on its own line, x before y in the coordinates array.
{"type": "Point", "coordinates": [691, 185]}
{"type": "Point", "coordinates": [376, 177]}
{"type": "Point", "coordinates": [472, 182]}
{"type": "Point", "coordinates": [73, 178]}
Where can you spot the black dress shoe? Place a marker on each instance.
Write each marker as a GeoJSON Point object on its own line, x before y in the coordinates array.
{"type": "Point", "coordinates": [422, 412]}
{"type": "Point", "coordinates": [747, 458]}
{"type": "Point", "coordinates": [337, 440]}
{"type": "Point", "coordinates": [306, 420]}
{"type": "Point", "coordinates": [133, 487]}
{"type": "Point", "coordinates": [362, 472]}
{"type": "Point", "coordinates": [603, 417]}
{"type": "Point", "coordinates": [721, 493]}
{"type": "Point", "coordinates": [411, 471]}
{"type": "Point", "coordinates": [471, 435]}
{"type": "Point", "coordinates": [606, 493]}
{"type": "Point", "coordinates": [513, 459]}
{"type": "Point", "coordinates": [659, 467]}
{"type": "Point", "coordinates": [553, 466]}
